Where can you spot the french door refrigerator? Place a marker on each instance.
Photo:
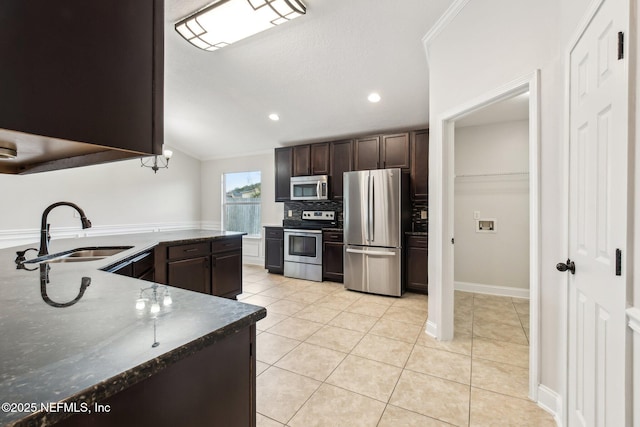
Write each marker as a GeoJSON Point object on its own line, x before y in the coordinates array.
{"type": "Point", "coordinates": [375, 217]}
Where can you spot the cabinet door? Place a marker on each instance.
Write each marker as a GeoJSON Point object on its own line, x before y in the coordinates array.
{"type": "Point", "coordinates": [367, 153]}
{"type": "Point", "coordinates": [283, 159]}
{"type": "Point", "coordinates": [341, 156]}
{"type": "Point", "coordinates": [192, 274]}
{"type": "Point", "coordinates": [420, 165]}
{"type": "Point", "coordinates": [274, 255]}
{"type": "Point", "coordinates": [333, 262]}
{"type": "Point", "coordinates": [417, 271]}
{"type": "Point", "coordinates": [320, 159]}
{"type": "Point", "coordinates": [301, 160]}
{"type": "Point", "coordinates": [394, 151]}
{"type": "Point", "coordinates": [226, 274]}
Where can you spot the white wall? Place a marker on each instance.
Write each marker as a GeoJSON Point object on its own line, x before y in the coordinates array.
{"type": "Point", "coordinates": [491, 165]}
{"type": "Point", "coordinates": [489, 44]}
{"type": "Point", "coordinates": [211, 194]}
{"type": "Point", "coordinates": [116, 197]}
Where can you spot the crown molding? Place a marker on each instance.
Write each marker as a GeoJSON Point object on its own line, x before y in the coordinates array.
{"type": "Point", "coordinates": [446, 18]}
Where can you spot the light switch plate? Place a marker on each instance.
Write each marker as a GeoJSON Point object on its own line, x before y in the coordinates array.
{"type": "Point", "coordinates": [476, 214]}
{"type": "Point", "coordinates": [423, 214]}
{"type": "Point", "coordinates": [290, 213]}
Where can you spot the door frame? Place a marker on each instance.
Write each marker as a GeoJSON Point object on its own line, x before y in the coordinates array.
{"type": "Point", "coordinates": [441, 229]}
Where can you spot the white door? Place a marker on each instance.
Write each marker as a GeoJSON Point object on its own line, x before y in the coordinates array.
{"type": "Point", "coordinates": [597, 220]}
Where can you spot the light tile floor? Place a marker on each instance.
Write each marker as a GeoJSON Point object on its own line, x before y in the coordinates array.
{"type": "Point", "coordinates": [331, 357]}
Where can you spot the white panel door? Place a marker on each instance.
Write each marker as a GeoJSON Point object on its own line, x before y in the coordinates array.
{"type": "Point", "coordinates": [598, 221]}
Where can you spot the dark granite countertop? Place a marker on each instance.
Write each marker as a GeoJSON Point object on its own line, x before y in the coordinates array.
{"type": "Point", "coordinates": [102, 344]}
{"type": "Point", "coordinates": [416, 233]}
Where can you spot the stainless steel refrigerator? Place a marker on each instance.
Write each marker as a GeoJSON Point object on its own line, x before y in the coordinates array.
{"type": "Point", "coordinates": [375, 217]}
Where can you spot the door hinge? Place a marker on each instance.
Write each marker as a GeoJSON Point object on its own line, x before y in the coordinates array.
{"type": "Point", "coordinates": [452, 241]}
{"type": "Point", "coordinates": [620, 45]}
{"type": "Point", "coordinates": [618, 262]}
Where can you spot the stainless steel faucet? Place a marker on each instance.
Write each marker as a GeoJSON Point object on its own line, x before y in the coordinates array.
{"type": "Point", "coordinates": [44, 227]}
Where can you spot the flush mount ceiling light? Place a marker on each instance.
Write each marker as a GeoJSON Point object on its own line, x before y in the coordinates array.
{"type": "Point", "coordinates": [226, 21]}
{"type": "Point", "coordinates": [274, 117]}
{"type": "Point", "coordinates": [8, 150]}
{"type": "Point", "coordinates": [374, 97]}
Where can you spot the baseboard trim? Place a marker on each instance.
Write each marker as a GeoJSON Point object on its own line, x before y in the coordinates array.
{"type": "Point", "coordinates": [503, 291]}
{"type": "Point", "coordinates": [551, 402]}
{"type": "Point", "coordinates": [431, 329]}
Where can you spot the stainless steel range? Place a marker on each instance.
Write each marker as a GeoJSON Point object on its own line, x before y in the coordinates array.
{"type": "Point", "coordinates": [303, 244]}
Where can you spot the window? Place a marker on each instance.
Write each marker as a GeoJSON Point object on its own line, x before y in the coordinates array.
{"type": "Point", "coordinates": [241, 202]}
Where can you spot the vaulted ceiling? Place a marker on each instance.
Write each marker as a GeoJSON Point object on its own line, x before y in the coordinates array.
{"type": "Point", "coordinates": [315, 72]}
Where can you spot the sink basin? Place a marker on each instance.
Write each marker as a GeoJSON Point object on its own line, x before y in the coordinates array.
{"type": "Point", "coordinates": [81, 254]}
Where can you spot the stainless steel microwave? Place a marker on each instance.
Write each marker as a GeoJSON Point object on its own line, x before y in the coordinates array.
{"type": "Point", "coordinates": [314, 187]}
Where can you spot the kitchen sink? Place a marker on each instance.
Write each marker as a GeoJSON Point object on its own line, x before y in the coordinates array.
{"type": "Point", "coordinates": [81, 254]}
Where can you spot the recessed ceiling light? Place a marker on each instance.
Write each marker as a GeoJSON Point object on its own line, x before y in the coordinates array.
{"type": "Point", "coordinates": [274, 117]}
{"type": "Point", "coordinates": [374, 97]}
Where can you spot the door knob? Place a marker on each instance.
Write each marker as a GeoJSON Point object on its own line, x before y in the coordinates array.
{"type": "Point", "coordinates": [570, 265]}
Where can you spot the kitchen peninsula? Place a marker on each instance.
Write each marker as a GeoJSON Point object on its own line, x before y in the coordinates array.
{"type": "Point", "coordinates": [73, 335]}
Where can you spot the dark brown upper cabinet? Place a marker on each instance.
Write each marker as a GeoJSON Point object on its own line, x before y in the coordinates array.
{"type": "Point", "coordinates": [311, 159]}
{"type": "Point", "coordinates": [382, 152]}
{"type": "Point", "coordinates": [320, 159]}
{"type": "Point", "coordinates": [341, 160]}
{"type": "Point", "coordinates": [366, 153]}
{"type": "Point", "coordinates": [420, 165]}
{"type": "Point", "coordinates": [284, 168]}
{"type": "Point", "coordinates": [81, 81]}
{"type": "Point", "coordinates": [301, 160]}
{"type": "Point", "coordinates": [394, 151]}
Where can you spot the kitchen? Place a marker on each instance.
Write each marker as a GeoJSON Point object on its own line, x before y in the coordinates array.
{"type": "Point", "coordinates": [123, 198]}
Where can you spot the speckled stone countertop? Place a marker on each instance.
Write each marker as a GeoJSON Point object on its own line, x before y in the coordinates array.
{"type": "Point", "coordinates": [102, 344]}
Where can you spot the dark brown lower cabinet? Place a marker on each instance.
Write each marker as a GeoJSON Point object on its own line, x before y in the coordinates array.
{"type": "Point", "coordinates": [226, 268]}
{"type": "Point", "coordinates": [416, 259]}
{"type": "Point", "coordinates": [211, 267]}
{"type": "Point", "coordinates": [333, 256]}
{"type": "Point", "coordinates": [192, 274]}
{"type": "Point", "coordinates": [216, 386]}
{"type": "Point", "coordinates": [274, 249]}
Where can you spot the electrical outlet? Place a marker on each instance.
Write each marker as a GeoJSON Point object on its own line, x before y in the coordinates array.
{"type": "Point", "coordinates": [423, 214]}
{"type": "Point", "coordinates": [290, 213]}
{"type": "Point", "coordinates": [476, 214]}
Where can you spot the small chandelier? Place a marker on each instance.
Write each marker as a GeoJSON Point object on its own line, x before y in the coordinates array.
{"type": "Point", "coordinates": [157, 162]}
{"type": "Point", "coordinates": [227, 21]}
{"type": "Point", "coordinates": [153, 295]}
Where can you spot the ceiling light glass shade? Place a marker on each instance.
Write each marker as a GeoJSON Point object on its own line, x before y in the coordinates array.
{"type": "Point", "coordinates": [227, 21]}
{"type": "Point", "coordinates": [8, 150]}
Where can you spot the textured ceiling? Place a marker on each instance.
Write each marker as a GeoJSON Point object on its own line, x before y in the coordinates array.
{"type": "Point", "coordinates": [315, 72]}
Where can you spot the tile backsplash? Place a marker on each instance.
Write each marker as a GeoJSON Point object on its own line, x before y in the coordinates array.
{"type": "Point", "coordinates": [296, 208]}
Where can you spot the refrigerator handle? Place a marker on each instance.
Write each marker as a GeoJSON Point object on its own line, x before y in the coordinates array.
{"type": "Point", "coordinates": [372, 209]}
{"type": "Point", "coordinates": [367, 224]}
{"type": "Point", "coordinates": [369, 252]}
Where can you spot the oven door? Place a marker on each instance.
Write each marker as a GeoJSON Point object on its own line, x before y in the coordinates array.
{"type": "Point", "coordinates": [304, 246]}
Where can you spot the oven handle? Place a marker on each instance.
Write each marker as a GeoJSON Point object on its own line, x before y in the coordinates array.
{"type": "Point", "coordinates": [299, 232]}
{"type": "Point", "coordinates": [357, 251]}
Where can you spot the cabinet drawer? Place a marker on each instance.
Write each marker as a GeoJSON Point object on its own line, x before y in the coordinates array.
{"type": "Point", "coordinates": [188, 251]}
{"type": "Point", "coordinates": [417, 242]}
{"type": "Point", "coordinates": [332, 236]}
{"type": "Point", "coordinates": [221, 245]}
{"type": "Point", "coordinates": [274, 233]}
